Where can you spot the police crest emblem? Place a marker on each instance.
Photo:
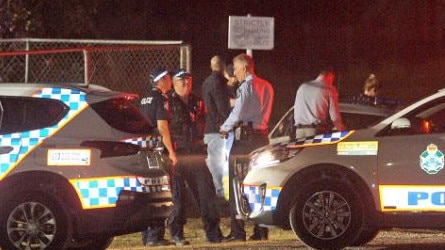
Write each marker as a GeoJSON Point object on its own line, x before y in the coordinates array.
{"type": "Point", "coordinates": [432, 159]}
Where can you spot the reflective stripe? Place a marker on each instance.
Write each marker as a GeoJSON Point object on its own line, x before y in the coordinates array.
{"type": "Point", "coordinates": [24, 142]}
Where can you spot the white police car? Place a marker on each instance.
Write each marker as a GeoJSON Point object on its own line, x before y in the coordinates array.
{"type": "Point", "coordinates": [339, 189]}
{"type": "Point", "coordinates": [74, 168]}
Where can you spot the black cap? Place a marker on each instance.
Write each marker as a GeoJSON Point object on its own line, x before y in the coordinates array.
{"type": "Point", "coordinates": [181, 73]}
{"type": "Point", "coordinates": [157, 73]}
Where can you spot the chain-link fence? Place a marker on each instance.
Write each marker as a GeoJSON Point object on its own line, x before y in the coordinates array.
{"type": "Point", "coordinates": [118, 65]}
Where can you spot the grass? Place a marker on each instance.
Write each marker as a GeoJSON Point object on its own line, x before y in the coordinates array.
{"type": "Point", "coordinates": [195, 234]}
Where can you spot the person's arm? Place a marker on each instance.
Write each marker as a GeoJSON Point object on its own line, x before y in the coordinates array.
{"type": "Point", "coordinates": [164, 130]}
{"type": "Point", "coordinates": [334, 111]}
{"type": "Point", "coordinates": [237, 111]}
{"type": "Point", "coordinates": [221, 97]}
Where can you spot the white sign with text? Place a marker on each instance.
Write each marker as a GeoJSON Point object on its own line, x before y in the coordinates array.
{"type": "Point", "coordinates": [247, 32]}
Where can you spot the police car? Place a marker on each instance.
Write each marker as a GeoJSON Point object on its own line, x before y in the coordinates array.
{"type": "Point", "coordinates": [75, 169]}
{"type": "Point", "coordinates": [340, 189]}
{"type": "Point", "coordinates": [354, 115]}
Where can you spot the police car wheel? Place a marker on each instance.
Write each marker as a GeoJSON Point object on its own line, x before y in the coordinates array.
{"type": "Point", "coordinates": [32, 221]}
{"type": "Point", "coordinates": [327, 215]}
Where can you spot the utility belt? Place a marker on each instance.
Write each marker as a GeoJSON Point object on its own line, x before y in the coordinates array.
{"type": "Point", "coordinates": [320, 128]}
{"type": "Point", "coordinates": [306, 126]}
{"type": "Point", "coordinates": [246, 132]}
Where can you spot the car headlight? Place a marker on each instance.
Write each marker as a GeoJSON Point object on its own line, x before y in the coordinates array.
{"type": "Point", "coordinates": [272, 156]}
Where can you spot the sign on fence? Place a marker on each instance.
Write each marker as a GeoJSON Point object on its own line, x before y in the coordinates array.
{"type": "Point", "coordinates": [247, 32]}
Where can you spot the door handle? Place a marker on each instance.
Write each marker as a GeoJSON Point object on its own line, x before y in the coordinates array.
{"type": "Point", "coordinates": [5, 149]}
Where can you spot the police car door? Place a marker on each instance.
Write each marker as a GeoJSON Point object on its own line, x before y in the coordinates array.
{"type": "Point", "coordinates": [411, 160]}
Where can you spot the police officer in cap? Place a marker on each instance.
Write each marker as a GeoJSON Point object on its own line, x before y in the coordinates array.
{"type": "Point", "coordinates": [155, 106]}
{"type": "Point", "coordinates": [187, 129]}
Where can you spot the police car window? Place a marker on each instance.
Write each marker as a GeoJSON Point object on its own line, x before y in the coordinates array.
{"type": "Point", "coordinates": [122, 114]}
{"type": "Point", "coordinates": [360, 121]}
{"type": "Point", "coordinates": [427, 119]}
{"type": "Point", "coordinates": [284, 128]}
{"type": "Point", "coordinates": [25, 113]}
{"type": "Point", "coordinates": [432, 118]}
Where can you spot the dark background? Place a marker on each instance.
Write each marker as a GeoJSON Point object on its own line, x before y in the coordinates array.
{"type": "Point", "coordinates": [402, 42]}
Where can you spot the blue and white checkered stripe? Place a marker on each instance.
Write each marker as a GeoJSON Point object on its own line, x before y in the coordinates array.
{"type": "Point", "coordinates": [24, 142]}
{"type": "Point", "coordinates": [145, 141]}
{"type": "Point", "coordinates": [140, 141]}
{"type": "Point", "coordinates": [104, 192]}
{"type": "Point", "coordinates": [252, 193]}
{"type": "Point", "coordinates": [329, 138]}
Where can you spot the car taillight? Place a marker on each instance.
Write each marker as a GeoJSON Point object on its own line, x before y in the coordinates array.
{"type": "Point", "coordinates": [112, 149]}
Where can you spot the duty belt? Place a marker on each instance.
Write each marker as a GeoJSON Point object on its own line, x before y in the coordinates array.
{"type": "Point", "coordinates": [306, 126]}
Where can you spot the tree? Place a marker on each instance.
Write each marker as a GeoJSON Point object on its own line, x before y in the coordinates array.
{"type": "Point", "coordinates": [17, 19]}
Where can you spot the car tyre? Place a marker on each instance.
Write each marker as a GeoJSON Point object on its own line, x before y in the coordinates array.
{"type": "Point", "coordinates": [33, 221]}
{"type": "Point", "coordinates": [366, 236]}
{"type": "Point", "coordinates": [327, 215]}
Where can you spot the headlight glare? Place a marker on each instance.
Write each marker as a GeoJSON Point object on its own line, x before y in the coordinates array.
{"type": "Point", "coordinates": [272, 156]}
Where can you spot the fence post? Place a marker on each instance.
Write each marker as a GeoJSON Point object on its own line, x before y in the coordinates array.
{"type": "Point", "coordinates": [26, 61]}
{"type": "Point", "coordinates": [86, 67]}
{"type": "Point", "coordinates": [186, 58]}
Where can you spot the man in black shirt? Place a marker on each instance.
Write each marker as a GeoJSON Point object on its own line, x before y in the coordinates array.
{"type": "Point", "coordinates": [216, 98]}
{"type": "Point", "coordinates": [155, 106]}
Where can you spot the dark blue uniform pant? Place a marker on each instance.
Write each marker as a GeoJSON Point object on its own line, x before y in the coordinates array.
{"type": "Point", "coordinates": [241, 150]}
{"type": "Point", "coordinates": [193, 170]}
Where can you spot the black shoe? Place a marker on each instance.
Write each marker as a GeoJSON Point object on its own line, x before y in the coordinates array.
{"type": "Point", "coordinates": [158, 243]}
{"type": "Point", "coordinates": [257, 237]}
{"type": "Point", "coordinates": [215, 240]}
{"type": "Point", "coordinates": [180, 241]}
{"type": "Point", "coordinates": [261, 234]}
{"type": "Point", "coordinates": [230, 238]}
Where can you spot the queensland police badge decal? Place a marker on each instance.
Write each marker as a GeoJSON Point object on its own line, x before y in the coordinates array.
{"type": "Point", "coordinates": [432, 160]}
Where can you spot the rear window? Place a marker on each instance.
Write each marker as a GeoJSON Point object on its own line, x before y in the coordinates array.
{"type": "Point", "coordinates": [123, 114]}
{"type": "Point", "coordinates": [21, 114]}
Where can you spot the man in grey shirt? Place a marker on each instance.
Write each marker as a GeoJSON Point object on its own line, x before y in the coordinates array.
{"type": "Point", "coordinates": [253, 105]}
{"type": "Point", "coordinates": [317, 101]}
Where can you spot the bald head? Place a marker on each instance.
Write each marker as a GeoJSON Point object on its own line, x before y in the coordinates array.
{"type": "Point", "coordinates": [216, 64]}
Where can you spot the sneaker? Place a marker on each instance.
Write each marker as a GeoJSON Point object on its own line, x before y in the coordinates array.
{"type": "Point", "coordinates": [180, 241]}
{"type": "Point", "coordinates": [162, 242]}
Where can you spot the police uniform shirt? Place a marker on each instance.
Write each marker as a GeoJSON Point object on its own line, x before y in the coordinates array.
{"type": "Point", "coordinates": [187, 120]}
{"type": "Point", "coordinates": [155, 106]}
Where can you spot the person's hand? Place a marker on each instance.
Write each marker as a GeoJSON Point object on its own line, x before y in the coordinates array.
{"type": "Point", "coordinates": [232, 102]}
{"type": "Point", "coordinates": [224, 134]}
{"type": "Point", "coordinates": [173, 158]}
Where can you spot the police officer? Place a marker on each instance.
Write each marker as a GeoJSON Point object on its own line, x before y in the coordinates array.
{"type": "Point", "coordinates": [155, 106]}
{"type": "Point", "coordinates": [253, 106]}
{"type": "Point", "coordinates": [187, 127]}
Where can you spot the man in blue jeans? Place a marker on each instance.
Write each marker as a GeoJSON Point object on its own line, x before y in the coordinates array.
{"type": "Point", "coordinates": [216, 95]}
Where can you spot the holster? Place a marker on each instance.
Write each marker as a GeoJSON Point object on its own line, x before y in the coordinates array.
{"type": "Point", "coordinates": [244, 132]}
